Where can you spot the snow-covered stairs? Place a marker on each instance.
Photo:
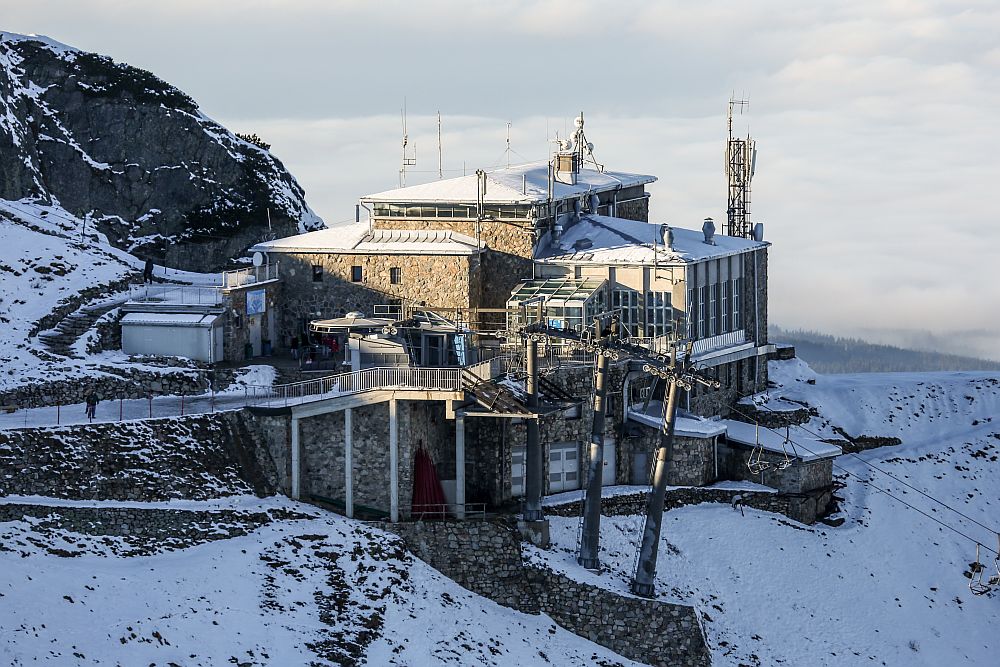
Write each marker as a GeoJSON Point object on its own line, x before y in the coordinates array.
{"type": "Point", "coordinates": [61, 338]}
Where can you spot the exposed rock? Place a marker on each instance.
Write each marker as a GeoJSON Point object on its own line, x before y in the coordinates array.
{"type": "Point", "coordinates": [122, 147]}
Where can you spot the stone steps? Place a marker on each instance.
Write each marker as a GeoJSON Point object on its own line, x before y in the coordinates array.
{"type": "Point", "coordinates": [63, 336]}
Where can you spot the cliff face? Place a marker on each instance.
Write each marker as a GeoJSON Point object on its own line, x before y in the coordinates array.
{"type": "Point", "coordinates": [134, 154]}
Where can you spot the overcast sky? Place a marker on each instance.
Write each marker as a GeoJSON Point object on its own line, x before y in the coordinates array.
{"type": "Point", "coordinates": [876, 122]}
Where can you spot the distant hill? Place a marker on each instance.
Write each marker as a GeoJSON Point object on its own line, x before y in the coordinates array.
{"type": "Point", "coordinates": [833, 354]}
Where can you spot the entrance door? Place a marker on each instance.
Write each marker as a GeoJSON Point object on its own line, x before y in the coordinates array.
{"type": "Point", "coordinates": [517, 470]}
{"type": "Point", "coordinates": [564, 467]}
{"type": "Point", "coordinates": [608, 475]}
{"type": "Point", "coordinates": [435, 349]}
{"type": "Point", "coordinates": [254, 323]}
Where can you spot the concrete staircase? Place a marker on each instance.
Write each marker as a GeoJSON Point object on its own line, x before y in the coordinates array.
{"type": "Point", "coordinates": [61, 338]}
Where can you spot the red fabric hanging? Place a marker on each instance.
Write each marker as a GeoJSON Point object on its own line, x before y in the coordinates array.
{"type": "Point", "coordinates": [428, 495]}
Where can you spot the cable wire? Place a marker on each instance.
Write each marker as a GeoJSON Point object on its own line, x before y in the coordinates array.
{"type": "Point", "coordinates": [889, 474]}
{"type": "Point", "coordinates": [878, 488]}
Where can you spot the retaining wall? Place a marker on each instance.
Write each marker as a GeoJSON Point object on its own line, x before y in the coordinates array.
{"type": "Point", "coordinates": [486, 558]}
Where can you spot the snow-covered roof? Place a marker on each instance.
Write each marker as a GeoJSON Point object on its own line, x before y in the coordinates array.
{"type": "Point", "coordinates": [170, 319]}
{"type": "Point", "coordinates": [357, 239]}
{"type": "Point", "coordinates": [800, 445]}
{"type": "Point", "coordinates": [601, 239]}
{"type": "Point", "coordinates": [518, 184]}
{"type": "Point", "coordinates": [684, 426]}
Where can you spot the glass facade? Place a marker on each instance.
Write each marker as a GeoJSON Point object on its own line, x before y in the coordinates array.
{"type": "Point", "coordinates": [566, 303]}
{"type": "Point", "coordinates": [627, 301]}
{"type": "Point", "coordinates": [659, 314]}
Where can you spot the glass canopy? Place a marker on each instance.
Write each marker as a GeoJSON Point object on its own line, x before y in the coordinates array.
{"type": "Point", "coordinates": [567, 303]}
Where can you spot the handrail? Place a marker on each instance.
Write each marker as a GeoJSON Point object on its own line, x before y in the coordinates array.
{"type": "Point", "coordinates": [356, 382]}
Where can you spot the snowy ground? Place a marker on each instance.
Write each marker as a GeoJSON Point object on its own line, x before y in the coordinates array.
{"type": "Point", "coordinates": [312, 592]}
{"type": "Point", "coordinates": [48, 255]}
{"type": "Point", "coordinates": [888, 587]}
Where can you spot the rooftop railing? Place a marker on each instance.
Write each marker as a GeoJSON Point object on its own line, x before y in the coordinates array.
{"type": "Point", "coordinates": [176, 294]}
{"type": "Point", "coordinates": [249, 275]}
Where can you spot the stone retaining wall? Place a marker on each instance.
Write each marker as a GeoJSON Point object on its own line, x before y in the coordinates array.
{"type": "Point", "coordinates": [121, 383]}
{"type": "Point", "coordinates": [198, 457]}
{"type": "Point", "coordinates": [804, 508]}
{"type": "Point", "coordinates": [486, 558]}
{"type": "Point", "coordinates": [144, 530]}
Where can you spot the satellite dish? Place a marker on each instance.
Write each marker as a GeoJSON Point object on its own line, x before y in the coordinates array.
{"type": "Point", "coordinates": [258, 259]}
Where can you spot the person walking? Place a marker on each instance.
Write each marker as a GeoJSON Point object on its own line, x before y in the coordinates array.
{"type": "Point", "coordinates": [147, 271]}
{"type": "Point", "coordinates": [91, 400]}
{"type": "Point", "coordinates": [295, 347]}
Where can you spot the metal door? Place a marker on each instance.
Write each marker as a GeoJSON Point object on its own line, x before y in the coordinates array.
{"type": "Point", "coordinates": [608, 475]}
{"type": "Point", "coordinates": [564, 467]}
{"type": "Point", "coordinates": [254, 323]}
{"type": "Point", "coordinates": [517, 470]}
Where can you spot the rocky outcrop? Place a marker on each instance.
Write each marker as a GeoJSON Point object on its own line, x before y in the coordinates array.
{"type": "Point", "coordinates": [117, 145]}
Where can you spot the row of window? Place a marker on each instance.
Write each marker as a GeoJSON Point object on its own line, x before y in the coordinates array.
{"type": "Point", "coordinates": [715, 309]}
{"type": "Point", "coordinates": [456, 211]}
{"type": "Point", "coordinates": [659, 312]}
{"type": "Point", "coordinates": [357, 274]}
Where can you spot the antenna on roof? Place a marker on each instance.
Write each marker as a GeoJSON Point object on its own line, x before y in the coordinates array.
{"type": "Point", "coordinates": [507, 152]}
{"type": "Point", "coordinates": [440, 169]}
{"type": "Point", "coordinates": [741, 163]}
{"type": "Point", "coordinates": [407, 161]}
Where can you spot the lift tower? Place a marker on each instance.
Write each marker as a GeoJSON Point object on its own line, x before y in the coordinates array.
{"type": "Point", "coordinates": [741, 160]}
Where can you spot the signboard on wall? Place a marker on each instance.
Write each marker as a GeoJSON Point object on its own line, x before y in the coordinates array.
{"type": "Point", "coordinates": [256, 303]}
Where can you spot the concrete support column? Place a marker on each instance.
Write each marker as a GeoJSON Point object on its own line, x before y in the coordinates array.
{"type": "Point", "coordinates": [590, 536]}
{"type": "Point", "coordinates": [460, 466]}
{"type": "Point", "coordinates": [393, 460]}
{"type": "Point", "coordinates": [349, 463]}
{"type": "Point", "coordinates": [296, 459]}
{"type": "Point", "coordinates": [533, 454]}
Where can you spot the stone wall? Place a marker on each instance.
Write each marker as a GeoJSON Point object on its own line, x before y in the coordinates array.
{"type": "Point", "coordinates": [802, 507]}
{"type": "Point", "coordinates": [486, 558]}
{"type": "Point", "coordinates": [236, 329]}
{"type": "Point", "coordinates": [144, 530]}
{"type": "Point", "coordinates": [800, 477]}
{"type": "Point", "coordinates": [693, 462]}
{"type": "Point", "coordinates": [197, 458]}
{"type": "Point", "coordinates": [114, 383]}
{"type": "Point", "coordinates": [507, 260]}
{"type": "Point", "coordinates": [107, 332]}
{"type": "Point", "coordinates": [443, 281]}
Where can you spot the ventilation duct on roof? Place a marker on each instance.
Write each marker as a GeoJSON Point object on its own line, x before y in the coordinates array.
{"type": "Point", "coordinates": [666, 236]}
{"type": "Point", "coordinates": [758, 232]}
{"type": "Point", "coordinates": [708, 229]}
{"type": "Point", "coordinates": [567, 163]}
{"type": "Point", "coordinates": [583, 244]}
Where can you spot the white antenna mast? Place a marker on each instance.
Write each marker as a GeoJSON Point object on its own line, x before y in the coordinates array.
{"type": "Point", "coordinates": [440, 168]}
{"type": "Point", "coordinates": [508, 144]}
{"type": "Point", "coordinates": [407, 161]}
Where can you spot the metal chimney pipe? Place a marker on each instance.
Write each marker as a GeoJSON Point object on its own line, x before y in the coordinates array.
{"type": "Point", "coordinates": [590, 537]}
{"type": "Point", "coordinates": [533, 448]}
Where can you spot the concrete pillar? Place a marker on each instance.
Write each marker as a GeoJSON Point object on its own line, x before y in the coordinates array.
{"type": "Point", "coordinates": [460, 466]}
{"type": "Point", "coordinates": [296, 459]}
{"type": "Point", "coordinates": [349, 463]}
{"type": "Point", "coordinates": [533, 454]}
{"type": "Point", "coordinates": [393, 461]}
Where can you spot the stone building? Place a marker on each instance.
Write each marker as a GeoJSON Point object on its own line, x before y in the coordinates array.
{"type": "Point", "coordinates": [571, 240]}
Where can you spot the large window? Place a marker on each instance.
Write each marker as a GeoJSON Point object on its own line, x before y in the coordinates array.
{"type": "Point", "coordinates": [395, 275]}
{"type": "Point", "coordinates": [356, 274]}
{"type": "Point", "coordinates": [692, 315]}
{"type": "Point", "coordinates": [724, 306]}
{"type": "Point", "coordinates": [627, 301]}
{"type": "Point", "coordinates": [702, 311]}
{"type": "Point", "coordinates": [713, 304]}
{"type": "Point", "coordinates": [737, 303]}
{"type": "Point", "coordinates": [659, 314]}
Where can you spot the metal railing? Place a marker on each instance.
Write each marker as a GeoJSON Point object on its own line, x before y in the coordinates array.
{"type": "Point", "coordinates": [355, 382]}
{"type": "Point", "coordinates": [705, 345]}
{"type": "Point", "coordinates": [444, 511]}
{"type": "Point", "coordinates": [177, 294]}
{"type": "Point", "coordinates": [249, 275]}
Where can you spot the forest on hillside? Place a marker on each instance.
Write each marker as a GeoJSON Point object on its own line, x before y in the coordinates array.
{"type": "Point", "coordinates": [835, 354]}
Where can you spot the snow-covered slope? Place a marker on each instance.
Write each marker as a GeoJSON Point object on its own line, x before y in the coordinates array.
{"type": "Point", "coordinates": [889, 586]}
{"type": "Point", "coordinates": [326, 591]}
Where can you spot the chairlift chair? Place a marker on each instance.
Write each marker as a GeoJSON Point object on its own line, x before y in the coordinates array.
{"type": "Point", "coordinates": [787, 461]}
{"type": "Point", "coordinates": [976, 584]}
{"type": "Point", "coordinates": [756, 464]}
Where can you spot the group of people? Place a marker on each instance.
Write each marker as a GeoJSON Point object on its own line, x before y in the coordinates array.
{"type": "Point", "coordinates": [306, 348]}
